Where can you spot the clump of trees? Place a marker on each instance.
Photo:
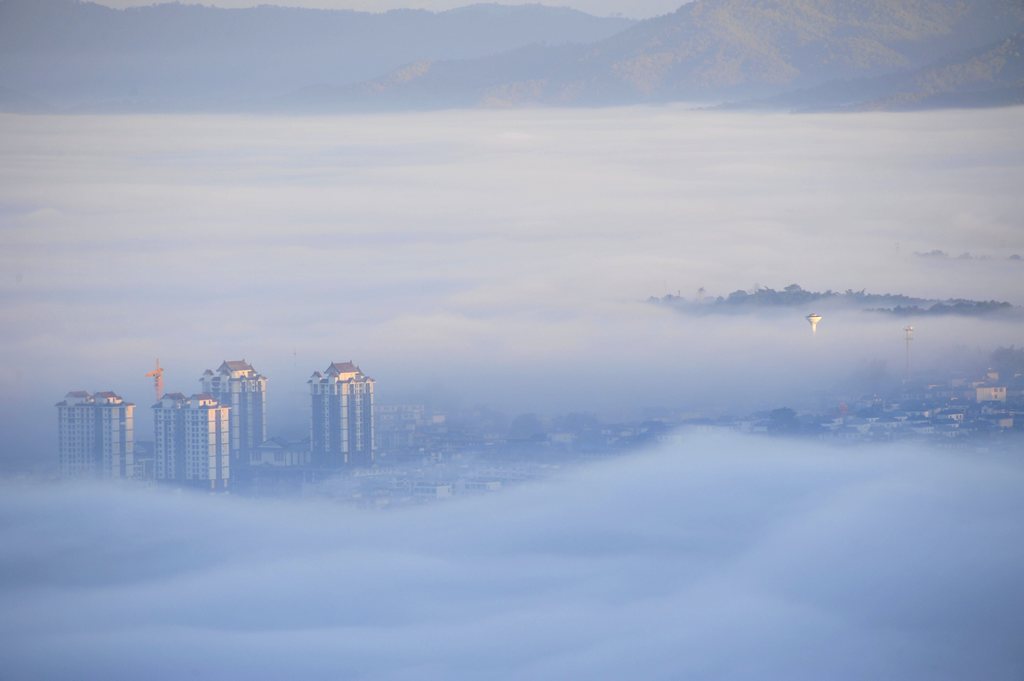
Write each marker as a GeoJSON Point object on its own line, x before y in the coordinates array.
{"type": "Point", "coordinates": [796, 296]}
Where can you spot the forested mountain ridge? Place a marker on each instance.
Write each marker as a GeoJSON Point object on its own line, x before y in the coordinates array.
{"type": "Point", "coordinates": [711, 50]}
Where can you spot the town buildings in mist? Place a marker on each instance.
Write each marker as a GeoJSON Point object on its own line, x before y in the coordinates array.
{"type": "Point", "coordinates": [210, 438]}
{"type": "Point", "coordinates": [488, 252]}
{"type": "Point", "coordinates": [427, 454]}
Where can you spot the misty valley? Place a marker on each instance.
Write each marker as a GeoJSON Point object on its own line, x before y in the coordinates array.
{"type": "Point", "coordinates": [374, 341]}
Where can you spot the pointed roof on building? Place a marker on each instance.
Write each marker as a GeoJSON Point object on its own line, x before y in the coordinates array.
{"type": "Point", "coordinates": [342, 368]}
{"type": "Point", "coordinates": [235, 365]}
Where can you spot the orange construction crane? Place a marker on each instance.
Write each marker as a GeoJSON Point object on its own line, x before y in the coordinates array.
{"type": "Point", "coordinates": [158, 379]}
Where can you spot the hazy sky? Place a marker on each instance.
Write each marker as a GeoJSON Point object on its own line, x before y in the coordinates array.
{"type": "Point", "coordinates": [717, 558]}
{"type": "Point", "coordinates": [490, 257]}
{"type": "Point", "coordinates": [633, 8]}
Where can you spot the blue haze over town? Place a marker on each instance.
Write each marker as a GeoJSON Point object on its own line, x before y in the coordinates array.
{"type": "Point", "coordinates": [582, 339]}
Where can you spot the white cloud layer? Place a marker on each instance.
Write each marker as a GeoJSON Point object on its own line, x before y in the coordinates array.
{"type": "Point", "coordinates": [719, 558]}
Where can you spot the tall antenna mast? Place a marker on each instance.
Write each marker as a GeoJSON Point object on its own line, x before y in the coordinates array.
{"type": "Point", "coordinates": [909, 331]}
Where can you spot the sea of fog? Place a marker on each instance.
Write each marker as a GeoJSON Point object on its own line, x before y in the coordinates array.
{"type": "Point", "coordinates": [714, 558]}
{"type": "Point", "coordinates": [498, 258]}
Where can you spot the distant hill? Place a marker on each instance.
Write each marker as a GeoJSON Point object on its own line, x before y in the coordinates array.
{"type": "Point", "coordinates": [707, 51]}
{"type": "Point", "coordinates": [793, 296]}
{"type": "Point", "coordinates": [990, 76]}
{"type": "Point", "coordinates": [886, 54]}
{"type": "Point", "coordinates": [82, 56]}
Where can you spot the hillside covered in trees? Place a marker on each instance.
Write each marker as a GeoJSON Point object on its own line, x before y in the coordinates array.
{"type": "Point", "coordinates": [794, 296]}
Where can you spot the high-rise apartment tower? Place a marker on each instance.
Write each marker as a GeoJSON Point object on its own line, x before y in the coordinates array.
{"type": "Point", "coordinates": [237, 385]}
{"type": "Point", "coordinates": [192, 441]}
{"type": "Point", "coordinates": [95, 435]}
{"type": "Point", "coordinates": [342, 416]}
